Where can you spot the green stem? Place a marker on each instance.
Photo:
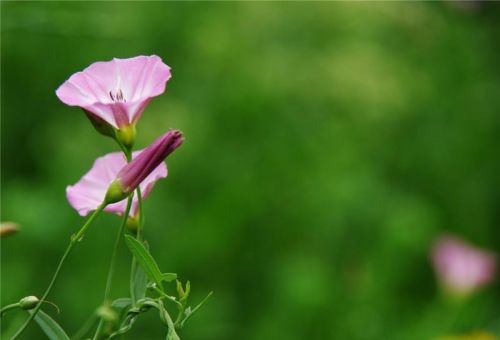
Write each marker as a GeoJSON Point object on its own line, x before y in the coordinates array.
{"type": "Point", "coordinates": [9, 307]}
{"type": "Point", "coordinates": [128, 155]}
{"type": "Point", "coordinates": [124, 149]}
{"type": "Point", "coordinates": [133, 266]}
{"type": "Point", "coordinates": [115, 248]}
{"type": "Point", "coordinates": [168, 320]}
{"type": "Point", "coordinates": [85, 328]}
{"type": "Point", "coordinates": [107, 290]}
{"type": "Point", "coordinates": [179, 316]}
{"type": "Point", "coordinates": [74, 240]}
{"type": "Point", "coordinates": [141, 214]}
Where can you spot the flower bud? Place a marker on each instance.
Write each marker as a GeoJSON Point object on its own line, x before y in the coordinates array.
{"type": "Point", "coordinates": [183, 293]}
{"type": "Point", "coordinates": [132, 174]}
{"type": "Point", "coordinates": [8, 228]}
{"type": "Point", "coordinates": [132, 224]}
{"type": "Point", "coordinates": [28, 302]}
{"type": "Point", "coordinates": [107, 313]}
{"type": "Point", "coordinates": [180, 290]}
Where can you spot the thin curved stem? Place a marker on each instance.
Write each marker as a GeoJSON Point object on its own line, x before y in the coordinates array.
{"type": "Point", "coordinates": [107, 290]}
{"type": "Point", "coordinates": [74, 240]}
{"type": "Point", "coordinates": [9, 307]}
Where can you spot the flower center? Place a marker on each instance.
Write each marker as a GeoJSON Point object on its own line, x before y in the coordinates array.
{"type": "Point", "coordinates": [117, 96]}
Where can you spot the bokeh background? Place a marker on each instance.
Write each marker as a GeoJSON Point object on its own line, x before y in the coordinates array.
{"type": "Point", "coordinates": [327, 146]}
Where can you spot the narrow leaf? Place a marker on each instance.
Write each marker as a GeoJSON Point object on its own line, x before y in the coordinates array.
{"type": "Point", "coordinates": [50, 327]}
{"type": "Point", "coordinates": [169, 277]}
{"type": "Point", "coordinates": [140, 283]}
{"type": "Point", "coordinates": [121, 303]}
{"type": "Point", "coordinates": [144, 259]}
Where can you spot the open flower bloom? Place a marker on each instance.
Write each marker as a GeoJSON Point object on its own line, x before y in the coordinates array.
{"type": "Point", "coordinates": [116, 91]}
{"type": "Point", "coordinates": [86, 195]}
{"type": "Point", "coordinates": [461, 267]}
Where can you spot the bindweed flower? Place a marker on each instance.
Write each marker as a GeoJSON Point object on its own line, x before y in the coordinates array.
{"type": "Point", "coordinates": [115, 93]}
{"type": "Point", "coordinates": [132, 174]}
{"type": "Point", "coordinates": [86, 195]}
{"type": "Point", "coordinates": [462, 268]}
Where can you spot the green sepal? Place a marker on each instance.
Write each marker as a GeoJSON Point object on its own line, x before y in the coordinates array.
{"type": "Point", "coordinates": [126, 136]}
{"type": "Point", "coordinates": [103, 127]}
{"type": "Point", "coordinates": [115, 192]}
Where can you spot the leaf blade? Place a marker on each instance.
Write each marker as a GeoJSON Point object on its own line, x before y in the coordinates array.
{"type": "Point", "coordinates": [50, 327]}
{"type": "Point", "coordinates": [144, 259]}
{"type": "Point", "coordinates": [169, 277]}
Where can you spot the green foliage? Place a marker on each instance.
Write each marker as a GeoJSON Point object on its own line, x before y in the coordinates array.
{"type": "Point", "coordinates": [145, 260]}
{"type": "Point", "coordinates": [50, 327]}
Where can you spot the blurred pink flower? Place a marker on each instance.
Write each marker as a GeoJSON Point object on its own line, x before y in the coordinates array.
{"type": "Point", "coordinates": [461, 267]}
{"type": "Point", "coordinates": [86, 195]}
{"type": "Point", "coordinates": [116, 91]}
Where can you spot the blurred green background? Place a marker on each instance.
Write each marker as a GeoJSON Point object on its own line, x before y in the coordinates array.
{"type": "Point", "coordinates": [327, 146]}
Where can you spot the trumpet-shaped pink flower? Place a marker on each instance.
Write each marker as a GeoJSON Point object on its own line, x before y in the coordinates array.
{"type": "Point", "coordinates": [116, 91]}
{"type": "Point", "coordinates": [461, 267]}
{"type": "Point", "coordinates": [86, 195]}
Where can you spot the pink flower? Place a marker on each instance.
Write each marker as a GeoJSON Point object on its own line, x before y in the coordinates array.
{"type": "Point", "coordinates": [461, 267]}
{"type": "Point", "coordinates": [86, 195]}
{"type": "Point", "coordinates": [116, 91]}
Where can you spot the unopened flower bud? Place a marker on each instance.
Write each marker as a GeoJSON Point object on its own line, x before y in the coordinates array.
{"type": "Point", "coordinates": [180, 290]}
{"type": "Point", "coordinates": [132, 174]}
{"type": "Point", "coordinates": [107, 313]}
{"type": "Point", "coordinates": [183, 293]}
{"type": "Point", "coordinates": [8, 228]}
{"type": "Point", "coordinates": [132, 224]}
{"type": "Point", "coordinates": [28, 302]}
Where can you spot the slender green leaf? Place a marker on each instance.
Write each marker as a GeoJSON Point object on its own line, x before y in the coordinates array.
{"type": "Point", "coordinates": [50, 327]}
{"type": "Point", "coordinates": [121, 303]}
{"type": "Point", "coordinates": [144, 259]}
{"type": "Point", "coordinates": [140, 283]}
{"type": "Point", "coordinates": [169, 277]}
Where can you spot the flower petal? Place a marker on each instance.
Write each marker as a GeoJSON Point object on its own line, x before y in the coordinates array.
{"type": "Point", "coordinates": [86, 195]}
{"type": "Point", "coordinates": [116, 91]}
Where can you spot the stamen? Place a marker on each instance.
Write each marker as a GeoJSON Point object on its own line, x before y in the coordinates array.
{"type": "Point", "coordinates": [117, 97]}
